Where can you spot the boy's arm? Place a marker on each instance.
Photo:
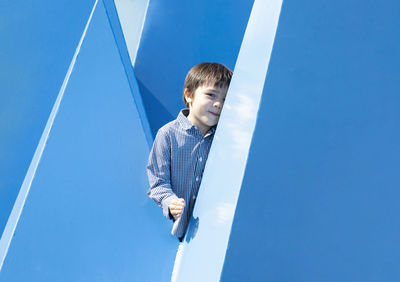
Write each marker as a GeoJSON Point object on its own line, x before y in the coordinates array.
{"type": "Point", "coordinates": [159, 174]}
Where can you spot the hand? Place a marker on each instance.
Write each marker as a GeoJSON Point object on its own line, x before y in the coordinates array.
{"type": "Point", "coordinates": [176, 207]}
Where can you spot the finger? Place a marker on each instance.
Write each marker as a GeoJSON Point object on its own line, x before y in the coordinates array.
{"type": "Point", "coordinates": [177, 207]}
{"type": "Point", "coordinates": [180, 205]}
{"type": "Point", "coordinates": [177, 210]}
{"type": "Point", "coordinates": [179, 200]}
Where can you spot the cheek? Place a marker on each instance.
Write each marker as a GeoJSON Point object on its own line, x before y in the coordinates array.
{"type": "Point", "coordinates": [202, 104]}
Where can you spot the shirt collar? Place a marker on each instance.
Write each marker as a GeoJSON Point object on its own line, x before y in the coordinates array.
{"type": "Point", "coordinates": [186, 124]}
{"type": "Point", "coordinates": [183, 121]}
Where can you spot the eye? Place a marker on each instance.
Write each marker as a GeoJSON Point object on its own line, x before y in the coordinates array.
{"type": "Point", "coordinates": [210, 94]}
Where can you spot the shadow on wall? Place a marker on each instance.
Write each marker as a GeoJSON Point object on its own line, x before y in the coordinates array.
{"type": "Point", "coordinates": [157, 114]}
{"type": "Point", "coordinates": [192, 228]}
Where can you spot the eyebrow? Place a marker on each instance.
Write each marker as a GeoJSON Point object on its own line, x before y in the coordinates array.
{"type": "Point", "coordinates": [214, 90]}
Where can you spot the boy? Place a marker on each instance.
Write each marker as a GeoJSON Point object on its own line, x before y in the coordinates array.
{"type": "Point", "coordinates": [181, 147]}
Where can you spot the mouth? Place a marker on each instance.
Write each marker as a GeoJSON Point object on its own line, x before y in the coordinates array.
{"type": "Point", "coordinates": [214, 114]}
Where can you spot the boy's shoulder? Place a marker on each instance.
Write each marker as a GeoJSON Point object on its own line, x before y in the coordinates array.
{"type": "Point", "coordinates": [168, 128]}
{"type": "Point", "coordinates": [174, 127]}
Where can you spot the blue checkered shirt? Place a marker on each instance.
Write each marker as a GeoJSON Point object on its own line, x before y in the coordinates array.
{"type": "Point", "coordinates": [175, 167]}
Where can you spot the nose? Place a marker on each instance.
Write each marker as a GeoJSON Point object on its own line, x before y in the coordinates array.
{"type": "Point", "coordinates": [219, 104]}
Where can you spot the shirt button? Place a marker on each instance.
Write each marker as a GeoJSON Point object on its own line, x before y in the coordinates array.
{"type": "Point", "coordinates": [197, 178]}
{"type": "Point", "coordinates": [200, 159]}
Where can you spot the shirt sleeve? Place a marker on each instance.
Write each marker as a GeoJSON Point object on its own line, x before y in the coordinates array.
{"type": "Point", "coordinates": [159, 172]}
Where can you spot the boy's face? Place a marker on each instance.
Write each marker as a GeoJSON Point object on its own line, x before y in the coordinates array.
{"type": "Point", "coordinates": [205, 106]}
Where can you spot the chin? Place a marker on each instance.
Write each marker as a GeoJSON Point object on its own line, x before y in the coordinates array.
{"type": "Point", "coordinates": [211, 122]}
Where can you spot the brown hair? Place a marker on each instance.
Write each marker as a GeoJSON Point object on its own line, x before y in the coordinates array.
{"type": "Point", "coordinates": [206, 74]}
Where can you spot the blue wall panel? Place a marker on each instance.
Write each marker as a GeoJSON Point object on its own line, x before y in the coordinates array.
{"type": "Point", "coordinates": [319, 201]}
{"type": "Point", "coordinates": [176, 36]}
{"type": "Point", "coordinates": [38, 40]}
{"type": "Point", "coordinates": [87, 217]}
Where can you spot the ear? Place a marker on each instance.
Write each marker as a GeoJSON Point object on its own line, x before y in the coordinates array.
{"type": "Point", "coordinates": [188, 95]}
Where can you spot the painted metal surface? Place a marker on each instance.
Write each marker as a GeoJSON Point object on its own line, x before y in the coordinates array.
{"type": "Point", "coordinates": [124, 43]}
{"type": "Point", "coordinates": [15, 214]}
{"type": "Point", "coordinates": [38, 41]}
{"type": "Point", "coordinates": [131, 14]}
{"type": "Point", "coordinates": [201, 257]}
{"type": "Point", "coordinates": [87, 217]}
{"type": "Point", "coordinates": [319, 200]}
{"type": "Point", "coordinates": [178, 35]}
